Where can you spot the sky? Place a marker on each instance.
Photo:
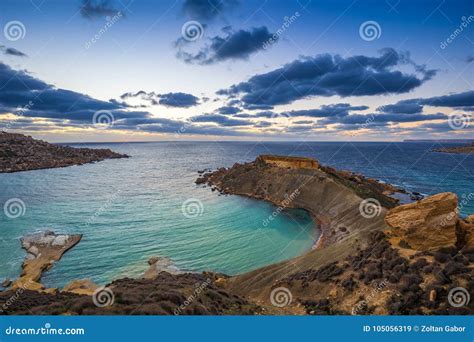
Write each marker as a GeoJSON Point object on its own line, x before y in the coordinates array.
{"type": "Point", "coordinates": [142, 70]}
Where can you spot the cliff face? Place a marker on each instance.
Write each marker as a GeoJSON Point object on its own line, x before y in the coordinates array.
{"type": "Point", "coordinates": [19, 152]}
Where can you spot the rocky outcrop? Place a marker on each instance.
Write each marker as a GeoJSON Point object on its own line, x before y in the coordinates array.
{"type": "Point", "coordinates": [425, 225]}
{"type": "Point", "coordinates": [469, 149]}
{"type": "Point", "coordinates": [158, 265]}
{"type": "Point", "coordinates": [289, 162]}
{"type": "Point", "coordinates": [466, 228]}
{"type": "Point", "coordinates": [43, 249]}
{"type": "Point", "coordinates": [81, 287]}
{"type": "Point", "coordinates": [19, 152]}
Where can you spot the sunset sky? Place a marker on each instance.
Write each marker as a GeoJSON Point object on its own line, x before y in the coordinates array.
{"type": "Point", "coordinates": [136, 70]}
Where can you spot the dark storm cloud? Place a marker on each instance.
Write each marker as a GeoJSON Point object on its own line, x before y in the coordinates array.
{"type": "Point", "coordinates": [179, 99]}
{"type": "Point", "coordinates": [92, 9]}
{"type": "Point", "coordinates": [339, 109]}
{"type": "Point", "coordinates": [19, 89]}
{"type": "Point", "coordinates": [12, 51]}
{"type": "Point", "coordinates": [233, 46]}
{"type": "Point", "coordinates": [206, 10]}
{"type": "Point", "coordinates": [328, 75]}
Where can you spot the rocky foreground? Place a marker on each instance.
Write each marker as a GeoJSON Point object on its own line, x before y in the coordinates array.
{"type": "Point", "coordinates": [374, 256]}
{"type": "Point", "coordinates": [469, 149]}
{"type": "Point", "coordinates": [19, 152]}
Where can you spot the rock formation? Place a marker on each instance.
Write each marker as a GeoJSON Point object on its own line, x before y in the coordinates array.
{"type": "Point", "coordinates": [19, 152]}
{"type": "Point", "coordinates": [428, 224]}
{"type": "Point", "coordinates": [43, 249]}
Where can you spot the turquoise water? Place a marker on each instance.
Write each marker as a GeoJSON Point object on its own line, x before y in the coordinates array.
{"type": "Point", "coordinates": [131, 209]}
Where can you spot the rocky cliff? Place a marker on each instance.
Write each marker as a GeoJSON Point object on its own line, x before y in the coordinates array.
{"type": "Point", "coordinates": [19, 152]}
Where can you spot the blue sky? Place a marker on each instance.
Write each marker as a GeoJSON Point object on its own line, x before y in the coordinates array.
{"type": "Point", "coordinates": [117, 70]}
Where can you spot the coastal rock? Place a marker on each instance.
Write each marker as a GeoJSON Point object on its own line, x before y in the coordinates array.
{"type": "Point", "coordinates": [19, 152]}
{"type": "Point", "coordinates": [467, 228]}
{"type": "Point", "coordinates": [428, 224]}
{"type": "Point", "coordinates": [6, 283]}
{"type": "Point", "coordinates": [43, 249]}
{"type": "Point", "coordinates": [158, 265]}
{"type": "Point", "coordinates": [82, 287]}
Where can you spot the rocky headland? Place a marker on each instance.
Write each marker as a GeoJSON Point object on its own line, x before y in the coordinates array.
{"type": "Point", "coordinates": [469, 149]}
{"type": "Point", "coordinates": [375, 256]}
{"type": "Point", "coordinates": [19, 152]}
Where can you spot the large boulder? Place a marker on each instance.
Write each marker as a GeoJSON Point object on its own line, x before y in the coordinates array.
{"type": "Point", "coordinates": [467, 228]}
{"type": "Point", "coordinates": [428, 224]}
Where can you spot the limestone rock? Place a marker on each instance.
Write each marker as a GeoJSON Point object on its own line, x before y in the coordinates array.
{"type": "Point", "coordinates": [82, 286]}
{"type": "Point", "coordinates": [428, 224]}
{"type": "Point", "coordinates": [467, 228]}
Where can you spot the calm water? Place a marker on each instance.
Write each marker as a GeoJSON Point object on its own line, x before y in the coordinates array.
{"type": "Point", "coordinates": [132, 209]}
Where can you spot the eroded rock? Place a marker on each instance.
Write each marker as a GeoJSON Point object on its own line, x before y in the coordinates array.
{"type": "Point", "coordinates": [428, 224]}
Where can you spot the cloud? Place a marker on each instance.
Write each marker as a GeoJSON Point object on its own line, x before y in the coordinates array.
{"type": "Point", "coordinates": [92, 9]}
{"type": "Point", "coordinates": [228, 110]}
{"type": "Point", "coordinates": [235, 45]}
{"type": "Point", "coordinates": [465, 100]}
{"type": "Point", "coordinates": [221, 120]}
{"type": "Point", "coordinates": [470, 59]}
{"type": "Point", "coordinates": [19, 89]}
{"type": "Point", "coordinates": [179, 99]}
{"type": "Point", "coordinates": [328, 75]}
{"type": "Point", "coordinates": [339, 109]}
{"type": "Point", "coordinates": [206, 10]}
{"type": "Point", "coordinates": [12, 51]}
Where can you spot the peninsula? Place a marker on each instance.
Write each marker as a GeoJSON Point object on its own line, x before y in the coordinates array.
{"type": "Point", "coordinates": [457, 149]}
{"type": "Point", "coordinates": [20, 152]}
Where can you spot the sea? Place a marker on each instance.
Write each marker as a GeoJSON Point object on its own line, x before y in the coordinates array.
{"type": "Point", "coordinates": [129, 210]}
